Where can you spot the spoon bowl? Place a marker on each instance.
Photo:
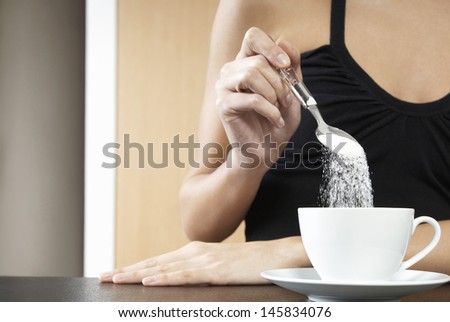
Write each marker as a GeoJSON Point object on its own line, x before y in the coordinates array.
{"type": "Point", "coordinates": [336, 140]}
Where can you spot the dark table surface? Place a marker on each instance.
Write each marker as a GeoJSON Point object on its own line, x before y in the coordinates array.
{"type": "Point", "coordinates": [79, 289]}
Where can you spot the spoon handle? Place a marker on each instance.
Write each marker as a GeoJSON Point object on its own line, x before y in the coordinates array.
{"type": "Point", "coordinates": [298, 87]}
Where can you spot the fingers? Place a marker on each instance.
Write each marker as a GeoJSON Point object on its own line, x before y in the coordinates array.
{"type": "Point", "coordinates": [180, 254]}
{"type": "Point", "coordinates": [233, 105]}
{"type": "Point", "coordinates": [279, 55]}
{"type": "Point", "coordinates": [146, 275]}
{"type": "Point", "coordinates": [293, 54]}
{"type": "Point", "coordinates": [188, 265]}
{"type": "Point", "coordinates": [181, 277]}
{"type": "Point", "coordinates": [255, 74]}
{"type": "Point", "coordinates": [258, 42]}
{"type": "Point", "coordinates": [264, 90]}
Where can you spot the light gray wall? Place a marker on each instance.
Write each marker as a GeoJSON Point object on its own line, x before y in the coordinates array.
{"type": "Point", "coordinates": [41, 137]}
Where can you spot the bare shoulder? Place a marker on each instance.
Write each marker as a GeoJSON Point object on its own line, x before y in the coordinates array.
{"type": "Point", "coordinates": [304, 23]}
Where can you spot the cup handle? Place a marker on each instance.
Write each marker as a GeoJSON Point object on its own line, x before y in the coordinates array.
{"type": "Point", "coordinates": [424, 252]}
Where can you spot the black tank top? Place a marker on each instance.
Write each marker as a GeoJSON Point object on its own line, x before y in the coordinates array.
{"type": "Point", "coordinates": [407, 144]}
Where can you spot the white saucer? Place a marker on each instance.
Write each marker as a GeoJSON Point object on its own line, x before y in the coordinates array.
{"type": "Point", "coordinates": [308, 282]}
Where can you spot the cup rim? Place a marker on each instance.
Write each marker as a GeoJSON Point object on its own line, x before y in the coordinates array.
{"type": "Point", "coordinates": [356, 209]}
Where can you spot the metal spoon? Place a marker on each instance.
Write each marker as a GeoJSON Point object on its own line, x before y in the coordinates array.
{"type": "Point", "coordinates": [331, 137]}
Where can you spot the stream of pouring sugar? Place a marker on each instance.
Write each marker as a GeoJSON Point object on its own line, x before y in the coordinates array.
{"type": "Point", "coordinates": [345, 177]}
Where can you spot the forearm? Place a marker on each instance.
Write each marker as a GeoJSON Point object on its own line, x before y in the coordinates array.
{"type": "Point", "coordinates": [214, 204]}
{"type": "Point", "coordinates": [439, 259]}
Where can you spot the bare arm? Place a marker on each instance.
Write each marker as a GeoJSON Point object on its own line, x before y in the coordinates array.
{"type": "Point", "coordinates": [244, 100]}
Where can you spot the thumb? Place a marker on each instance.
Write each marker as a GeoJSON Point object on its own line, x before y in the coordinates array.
{"type": "Point", "coordinates": [257, 42]}
{"type": "Point", "coordinates": [293, 54]}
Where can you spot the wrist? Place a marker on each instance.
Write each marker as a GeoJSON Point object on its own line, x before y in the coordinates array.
{"type": "Point", "coordinates": [292, 252]}
{"type": "Point", "coordinates": [247, 163]}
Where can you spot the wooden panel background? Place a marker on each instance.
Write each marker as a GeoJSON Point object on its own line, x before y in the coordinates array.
{"type": "Point", "coordinates": [162, 58]}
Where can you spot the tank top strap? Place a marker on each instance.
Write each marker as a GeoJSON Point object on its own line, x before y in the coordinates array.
{"type": "Point", "coordinates": [337, 23]}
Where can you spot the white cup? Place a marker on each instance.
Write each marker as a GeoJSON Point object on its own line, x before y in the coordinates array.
{"type": "Point", "coordinates": [361, 244]}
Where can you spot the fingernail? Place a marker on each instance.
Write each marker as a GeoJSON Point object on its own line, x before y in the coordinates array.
{"type": "Point", "coordinates": [106, 276]}
{"type": "Point", "coordinates": [283, 59]}
{"type": "Point", "coordinates": [280, 122]}
{"type": "Point", "coordinates": [119, 278]}
{"type": "Point", "coordinates": [149, 280]}
{"type": "Point", "coordinates": [289, 99]}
